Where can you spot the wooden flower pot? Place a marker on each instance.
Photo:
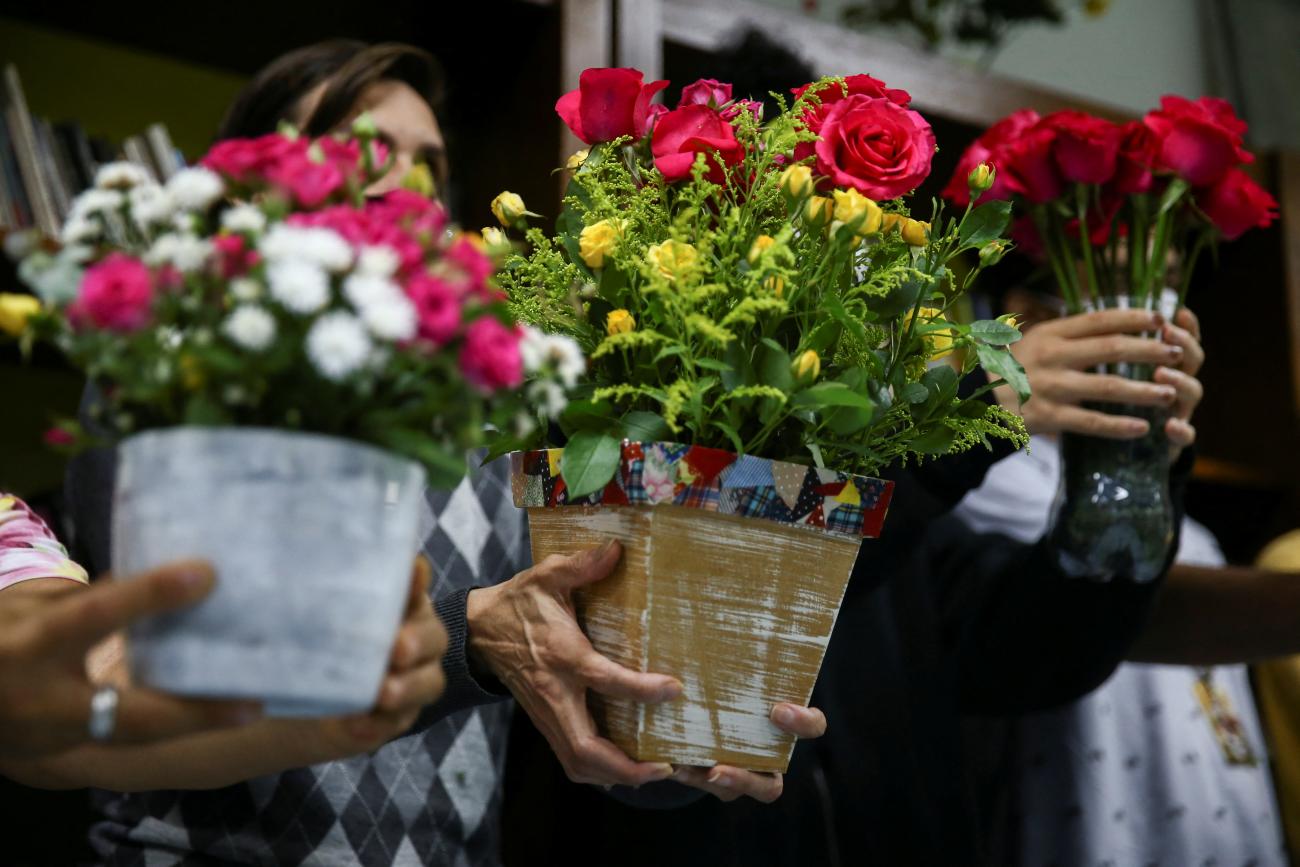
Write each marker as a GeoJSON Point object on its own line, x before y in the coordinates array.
{"type": "Point", "coordinates": [731, 578]}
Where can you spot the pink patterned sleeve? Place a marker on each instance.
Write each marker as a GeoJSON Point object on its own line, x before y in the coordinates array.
{"type": "Point", "coordinates": [28, 549]}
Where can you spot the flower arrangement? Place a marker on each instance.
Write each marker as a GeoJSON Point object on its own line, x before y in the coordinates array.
{"type": "Point", "coordinates": [761, 287]}
{"type": "Point", "coordinates": [263, 288]}
{"type": "Point", "coordinates": [1108, 205]}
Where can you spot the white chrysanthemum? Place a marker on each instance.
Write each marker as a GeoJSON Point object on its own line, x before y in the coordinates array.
{"type": "Point", "coordinates": [195, 188]}
{"type": "Point", "coordinates": [250, 326]}
{"type": "Point", "coordinates": [364, 289]}
{"type": "Point", "coordinates": [243, 218]}
{"type": "Point", "coordinates": [186, 253]}
{"type": "Point", "coordinates": [392, 317]}
{"type": "Point", "coordinates": [548, 396]}
{"type": "Point", "coordinates": [540, 351]}
{"type": "Point", "coordinates": [169, 337]}
{"type": "Point", "coordinates": [338, 345]}
{"type": "Point", "coordinates": [121, 175]}
{"type": "Point", "coordinates": [378, 260]}
{"type": "Point", "coordinates": [150, 205]}
{"type": "Point", "coordinates": [95, 201]}
{"type": "Point", "coordinates": [302, 287]}
{"type": "Point", "coordinates": [80, 229]}
{"type": "Point", "coordinates": [245, 289]}
{"type": "Point", "coordinates": [325, 247]}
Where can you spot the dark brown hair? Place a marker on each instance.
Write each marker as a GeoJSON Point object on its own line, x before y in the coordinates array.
{"type": "Point", "coordinates": [348, 65]}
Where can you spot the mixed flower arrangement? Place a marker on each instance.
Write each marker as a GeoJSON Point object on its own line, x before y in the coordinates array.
{"type": "Point", "coordinates": [263, 288]}
{"type": "Point", "coordinates": [760, 287]}
{"type": "Point", "coordinates": [1109, 205]}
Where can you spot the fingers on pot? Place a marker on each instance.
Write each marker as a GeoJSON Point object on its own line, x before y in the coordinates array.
{"type": "Point", "coordinates": [1193, 352]}
{"type": "Point", "coordinates": [1180, 433]}
{"type": "Point", "coordinates": [588, 567]}
{"type": "Point", "coordinates": [1073, 386]}
{"type": "Point", "coordinates": [412, 689]}
{"type": "Point", "coordinates": [1116, 348]}
{"type": "Point", "coordinates": [593, 759]}
{"type": "Point", "coordinates": [1186, 318]}
{"type": "Point", "coordinates": [1102, 322]}
{"type": "Point", "coordinates": [802, 722]}
{"type": "Point", "coordinates": [1187, 388]}
{"type": "Point", "coordinates": [421, 580]}
{"type": "Point", "coordinates": [1099, 424]}
{"type": "Point", "coordinates": [418, 642]}
{"type": "Point", "coordinates": [728, 783]}
{"type": "Point", "coordinates": [609, 678]}
{"type": "Point", "coordinates": [144, 715]}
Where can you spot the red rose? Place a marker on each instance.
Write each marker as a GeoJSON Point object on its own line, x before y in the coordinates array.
{"type": "Point", "coordinates": [829, 94]}
{"type": "Point", "coordinates": [988, 149]}
{"type": "Point", "coordinates": [657, 110]}
{"type": "Point", "coordinates": [694, 129]}
{"type": "Point", "coordinates": [1138, 151]}
{"type": "Point", "coordinates": [875, 146]}
{"type": "Point", "coordinates": [1086, 147]}
{"type": "Point", "coordinates": [608, 104]}
{"type": "Point", "coordinates": [706, 91]}
{"type": "Point", "coordinates": [1029, 161]}
{"type": "Point", "coordinates": [1199, 141]}
{"type": "Point", "coordinates": [1236, 204]}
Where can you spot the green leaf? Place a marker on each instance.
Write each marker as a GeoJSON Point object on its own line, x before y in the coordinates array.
{"type": "Point", "coordinates": [915, 392]}
{"type": "Point", "coordinates": [713, 364]}
{"type": "Point", "coordinates": [999, 362]}
{"type": "Point", "coordinates": [832, 394]}
{"type": "Point", "coordinates": [986, 223]}
{"type": "Point", "coordinates": [1173, 193]}
{"type": "Point", "coordinates": [772, 344]}
{"type": "Point", "coordinates": [732, 434]}
{"type": "Point", "coordinates": [203, 410]}
{"type": "Point", "coordinates": [644, 426]}
{"type": "Point", "coordinates": [587, 415]}
{"type": "Point", "coordinates": [669, 351]}
{"type": "Point", "coordinates": [994, 332]}
{"type": "Point", "coordinates": [935, 441]}
{"type": "Point", "coordinates": [899, 299]}
{"type": "Point", "coordinates": [589, 462]}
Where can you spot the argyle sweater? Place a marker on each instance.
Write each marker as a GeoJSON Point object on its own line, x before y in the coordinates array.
{"type": "Point", "coordinates": [431, 797]}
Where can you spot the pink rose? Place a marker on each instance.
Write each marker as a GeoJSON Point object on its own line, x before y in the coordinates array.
{"type": "Point", "coordinates": [695, 129]}
{"type": "Point", "coordinates": [706, 91]}
{"type": "Point", "coordinates": [656, 111]}
{"type": "Point", "coordinates": [437, 306]}
{"type": "Point", "coordinates": [490, 358]}
{"type": "Point", "coordinates": [309, 183]}
{"type": "Point", "coordinates": [248, 160]}
{"type": "Point", "coordinates": [58, 438]}
{"type": "Point", "coordinates": [474, 263]}
{"type": "Point", "coordinates": [752, 106]}
{"type": "Point", "coordinates": [608, 104]}
{"type": "Point", "coordinates": [1086, 147]}
{"type": "Point", "coordinates": [875, 146]}
{"type": "Point", "coordinates": [115, 295]}
{"type": "Point", "coordinates": [1236, 204]}
{"type": "Point", "coordinates": [1200, 140]}
{"type": "Point", "coordinates": [234, 257]}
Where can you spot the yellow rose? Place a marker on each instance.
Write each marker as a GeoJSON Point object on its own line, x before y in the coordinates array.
{"type": "Point", "coordinates": [508, 208]}
{"type": "Point", "coordinates": [620, 322]}
{"type": "Point", "coordinates": [807, 367]}
{"type": "Point", "coordinates": [420, 180]}
{"type": "Point", "coordinates": [761, 243]}
{"type": "Point", "coordinates": [855, 208]}
{"type": "Point", "coordinates": [576, 159]}
{"type": "Point", "coordinates": [599, 240]}
{"type": "Point", "coordinates": [494, 237]}
{"type": "Point", "coordinates": [938, 343]}
{"type": "Point", "coordinates": [15, 311]}
{"type": "Point", "coordinates": [775, 284]}
{"type": "Point", "coordinates": [980, 179]}
{"type": "Point", "coordinates": [915, 232]}
{"type": "Point", "coordinates": [796, 182]}
{"type": "Point", "coordinates": [817, 211]}
{"type": "Point", "coordinates": [891, 221]}
{"type": "Point", "coordinates": [673, 258]}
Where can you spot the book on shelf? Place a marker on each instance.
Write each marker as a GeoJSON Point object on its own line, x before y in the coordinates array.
{"type": "Point", "coordinates": [45, 164]}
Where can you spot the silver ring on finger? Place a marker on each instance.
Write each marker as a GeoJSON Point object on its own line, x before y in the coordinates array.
{"type": "Point", "coordinates": [103, 714]}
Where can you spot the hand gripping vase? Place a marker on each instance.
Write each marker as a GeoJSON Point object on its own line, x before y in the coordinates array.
{"type": "Point", "coordinates": [312, 539]}
{"type": "Point", "coordinates": [732, 575]}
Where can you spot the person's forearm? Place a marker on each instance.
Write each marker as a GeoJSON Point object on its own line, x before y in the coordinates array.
{"type": "Point", "coordinates": [1221, 616]}
{"type": "Point", "coordinates": [207, 761]}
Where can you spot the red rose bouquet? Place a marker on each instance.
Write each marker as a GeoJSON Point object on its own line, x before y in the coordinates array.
{"type": "Point", "coordinates": [1108, 205]}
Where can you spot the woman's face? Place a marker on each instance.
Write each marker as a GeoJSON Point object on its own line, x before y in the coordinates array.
{"type": "Point", "coordinates": [406, 125]}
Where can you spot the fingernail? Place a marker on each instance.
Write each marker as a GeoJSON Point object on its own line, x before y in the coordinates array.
{"type": "Point", "coordinates": [1168, 394]}
{"type": "Point", "coordinates": [670, 691]}
{"type": "Point", "coordinates": [1157, 319]}
{"type": "Point", "coordinates": [664, 771]}
{"type": "Point", "coordinates": [193, 577]}
{"type": "Point", "coordinates": [783, 716]}
{"type": "Point", "coordinates": [718, 779]}
{"type": "Point", "coordinates": [1175, 352]}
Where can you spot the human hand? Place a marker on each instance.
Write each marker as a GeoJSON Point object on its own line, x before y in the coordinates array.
{"type": "Point", "coordinates": [45, 692]}
{"type": "Point", "coordinates": [1059, 356]}
{"type": "Point", "coordinates": [525, 631]}
{"type": "Point", "coordinates": [1185, 332]}
{"type": "Point", "coordinates": [415, 677]}
{"type": "Point", "coordinates": [728, 783]}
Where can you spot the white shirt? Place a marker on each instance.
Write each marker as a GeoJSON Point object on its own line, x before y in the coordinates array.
{"type": "Point", "coordinates": [1131, 775]}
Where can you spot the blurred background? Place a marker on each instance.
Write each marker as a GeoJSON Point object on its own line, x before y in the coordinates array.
{"type": "Point", "coordinates": [104, 73]}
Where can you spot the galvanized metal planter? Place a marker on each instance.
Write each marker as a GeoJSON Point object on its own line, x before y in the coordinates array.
{"type": "Point", "coordinates": [733, 572]}
{"type": "Point", "coordinates": [312, 539]}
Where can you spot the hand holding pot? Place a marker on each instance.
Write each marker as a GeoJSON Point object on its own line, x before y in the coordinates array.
{"type": "Point", "coordinates": [45, 635]}
{"type": "Point", "coordinates": [415, 677]}
{"type": "Point", "coordinates": [526, 632]}
{"type": "Point", "coordinates": [1060, 356]}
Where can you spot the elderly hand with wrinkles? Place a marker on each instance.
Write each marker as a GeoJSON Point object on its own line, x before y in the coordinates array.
{"type": "Point", "coordinates": [1060, 358]}
{"type": "Point", "coordinates": [526, 632]}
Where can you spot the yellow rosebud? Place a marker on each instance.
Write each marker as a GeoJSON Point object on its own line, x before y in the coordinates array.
{"type": "Point", "coordinates": [192, 376]}
{"type": "Point", "coordinates": [674, 259]}
{"type": "Point", "coordinates": [599, 240]}
{"type": "Point", "coordinates": [775, 284]}
{"type": "Point", "coordinates": [761, 243]}
{"type": "Point", "coordinates": [1012, 319]}
{"type": "Point", "coordinates": [576, 159]}
{"type": "Point", "coordinates": [15, 311]}
{"type": "Point", "coordinates": [796, 182]}
{"type": "Point", "coordinates": [807, 367]}
{"type": "Point", "coordinates": [980, 179]}
{"type": "Point", "coordinates": [992, 253]}
{"type": "Point", "coordinates": [938, 343]}
{"type": "Point", "coordinates": [508, 208]}
{"type": "Point", "coordinates": [817, 211]}
{"type": "Point", "coordinates": [915, 232]}
{"type": "Point", "coordinates": [494, 237]}
{"type": "Point", "coordinates": [856, 209]}
{"type": "Point", "coordinates": [891, 221]}
{"type": "Point", "coordinates": [620, 322]}
{"type": "Point", "coordinates": [420, 180]}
